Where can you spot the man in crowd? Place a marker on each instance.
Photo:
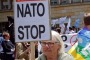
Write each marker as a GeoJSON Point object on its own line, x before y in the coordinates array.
{"type": "Point", "coordinates": [84, 33]}
{"type": "Point", "coordinates": [8, 47]}
{"type": "Point", "coordinates": [71, 31]}
{"type": "Point", "coordinates": [83, 37]}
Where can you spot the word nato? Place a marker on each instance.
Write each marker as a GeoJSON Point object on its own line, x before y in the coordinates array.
{"type": "Point", "coordinates": [26, 9]}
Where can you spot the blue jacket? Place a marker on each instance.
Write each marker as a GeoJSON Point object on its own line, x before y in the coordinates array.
{"type": "Point", "coordinates": [83, 37]}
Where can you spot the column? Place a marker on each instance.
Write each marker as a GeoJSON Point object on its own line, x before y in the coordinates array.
{"type": "Point", "coordinates": [0, 5]}
{"type": "Point", "coordinates": [81, 0]}
{"type": "Point", "coordinates": [9, 4]}
{"type": "Point", "coordinates": [70, 1]}
{"type": "Point", "coordinates": [59, 1]}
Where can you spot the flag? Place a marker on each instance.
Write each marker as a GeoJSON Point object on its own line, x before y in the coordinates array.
{"type": "Point", "coordinates": [68, 25]}
{"type": "Point", "coordinates": [77, 22]}
{"type": "Point", "coordinates": [53, 22]}
{"type": "Point", "coordinates": [62, 20]}
{"type": "Point", "coordinates": [61, 23]}
{"type": "Point", "coordinates": [84, 54]}
{"type": "Point", "coordinates": [57, 21]}
{"type": "Point", "coordinates": [73, 52]}
{"type": "Point", "coordinates": [81, 50]}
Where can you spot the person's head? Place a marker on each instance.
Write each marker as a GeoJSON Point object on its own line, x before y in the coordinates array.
{"type": "Point", "coordinates": [70, 28]}
{"type": "Point", "coordinates": [73, 27]}
{"type": "Point", "coordinates": [68, 16]}
{"type": "Point", "coordinates": [87, 20]}
{"type": "Point", "coordinates": [58, 30]}
{"type": "Point", "coordinates": [6, 35]}
{"type": "Point", "coordinates": [53, 46]}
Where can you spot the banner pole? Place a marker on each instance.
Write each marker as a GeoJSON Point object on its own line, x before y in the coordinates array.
{"type": "Point", "coordinates": [32, 54]}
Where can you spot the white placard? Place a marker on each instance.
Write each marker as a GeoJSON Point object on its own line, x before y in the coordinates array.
{"type": "Point", "coordinates": [69, 40]}
{"type": "Point", "coordinates": [31, 19]}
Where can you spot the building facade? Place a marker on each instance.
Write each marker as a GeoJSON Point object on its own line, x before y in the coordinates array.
{"type": "Point", "coordinates": [58, 8]}
{"type": "Point", "coordinates": [74, 8]}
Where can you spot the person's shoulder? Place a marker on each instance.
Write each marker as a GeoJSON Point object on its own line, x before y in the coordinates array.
{"type": "Point", "coordinates": [41, 57]}
{"type": "Point", "coordinates": [18, 43]}
{"type": "Point", "coordinates": [1, 38]}
{"type": "Point", "coordinates": [82, 30]}
{"type": "Point", "coordinates": [69, 56]}
{"type": "Point", "coordinates": [66, 56]}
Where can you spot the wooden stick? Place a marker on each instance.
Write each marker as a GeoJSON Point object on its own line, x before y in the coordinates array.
{"type": "Point", "coordinates": [32, 55]}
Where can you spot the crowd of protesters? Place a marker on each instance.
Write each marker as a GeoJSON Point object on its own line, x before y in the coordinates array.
{"type": "Point", "coordinates": [72, 30]}
{"type": "Point", "coordinates": [51, 50]}
{"type": "Point", "coordinates": [22, 50]}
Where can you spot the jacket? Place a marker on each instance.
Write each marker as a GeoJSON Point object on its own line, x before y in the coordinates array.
{"type": "Point", "coordinates": [61, 56]}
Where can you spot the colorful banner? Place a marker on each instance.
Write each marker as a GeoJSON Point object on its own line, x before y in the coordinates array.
{"type": "Point", "coordinates": [77, 22]}
{"type": "Point", "coordinates": [81, 50]}
{"type": "Point", "coordinates": [69, 40]}
{"type": "Point", "coordinates": [84, 54]}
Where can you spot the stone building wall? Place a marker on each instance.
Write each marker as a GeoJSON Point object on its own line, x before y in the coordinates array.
{"type": "Point", "coordinates": [4, 14]}
{"type": "Point", "coordinates": [73, 10]}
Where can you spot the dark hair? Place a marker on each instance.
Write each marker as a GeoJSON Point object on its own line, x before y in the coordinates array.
{"type": "Point", "coordinates": [73, 27]}
{"type": "Point", "coordinates": [58, 30]}
{"type": "Point", "coordinates": [70, 28]}
{"type": "Point", "coordinates": [87, 20]}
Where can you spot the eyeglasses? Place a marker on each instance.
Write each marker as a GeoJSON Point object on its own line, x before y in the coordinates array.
{"type": "Point", "coordinates": [48, 43]}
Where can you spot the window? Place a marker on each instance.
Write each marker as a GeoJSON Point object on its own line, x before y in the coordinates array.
{"type": "Point", "coordinates": [54, 2]}
{"type": "Point", "coordinates": [75, 1]}
{"type": "Point", "coordinates": [86, 0]}
{"type": "Point", "coordinates": [5, 0]}
{"type": "Point", "coordinates": [5, 4]}
{"type": "Point", "coordinates": [2, 26]}
{"type": "Point", "coordinates": [0, 4]}
{"type": "Point", "coordinates": [64, 2]}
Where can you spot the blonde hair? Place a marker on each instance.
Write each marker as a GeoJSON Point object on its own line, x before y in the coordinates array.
{"type": "Point", "coordinates": [59, 39]}
{"type": "Point", "coordinates": [6, 33]}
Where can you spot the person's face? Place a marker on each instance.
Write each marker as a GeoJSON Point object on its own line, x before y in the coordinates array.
{"type": "Point", "coordinates": [6, 37]}
{"type": "Point", "coordinates": [51, 47]}
{"type": "Point", "coordinates": [88, 26]}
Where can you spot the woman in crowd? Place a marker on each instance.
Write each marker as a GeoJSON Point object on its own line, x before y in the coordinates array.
{"type": "Point", "coordinates": [54, 49]}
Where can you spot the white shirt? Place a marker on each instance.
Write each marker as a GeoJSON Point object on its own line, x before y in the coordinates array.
{"type": "Point", "coordinates": [71, 32]}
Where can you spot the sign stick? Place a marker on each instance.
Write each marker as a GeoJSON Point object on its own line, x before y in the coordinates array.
{"type": "Point", "coordinates": [32, 55]}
